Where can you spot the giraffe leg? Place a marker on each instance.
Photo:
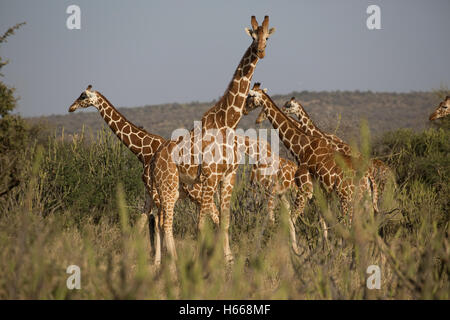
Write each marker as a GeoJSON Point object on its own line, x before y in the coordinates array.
{"type": "Point", "coordinates": [304, 192]}
{"type": "Point", "coordinates": [225, 199]}
{"type": "Point", "coordinates": [194, 192]}
{"type": "Point", "coordinates": [369, 186]}
{"type": "Point", "coordinates": [166, 181]}
{"type": "Point", "coordinates": [345, 197]}
{"type": "Point", "coordinates": [324, 226]}
{"type": "Point", "coordinates": [382, 173]}
{"type": "Point", "coordinates": [155, 229]}
{"type": "Point", "coordinates": [271, 205]}
{"type": "Point", "coordinates": [168, 209]}
{"type": "Point", "coordinates": [267, 182]}
{"type": "Point", "coordinates": [151, 200]}
{"type": "Point", "coordinates": [291, 222]}
{"type": "Point", "coordinates": [208, 207]}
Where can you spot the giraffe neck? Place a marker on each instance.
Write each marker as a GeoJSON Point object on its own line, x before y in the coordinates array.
{"type": "Point", "coordinates": [306, 124]}
{"type": "Point", "coordinates": [228, 111]}
{"type": "Point", "coordinates": [300, 144]}
{"type": "Point", "coordinates": [139, 141]}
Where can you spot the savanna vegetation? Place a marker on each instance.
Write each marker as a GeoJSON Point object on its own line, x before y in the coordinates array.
{"type": "Point", "coordinates": [76, 199]}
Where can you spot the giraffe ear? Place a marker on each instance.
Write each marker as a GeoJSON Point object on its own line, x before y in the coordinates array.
{"type": "Point", "coordinates": [271, 31]}
{"type": "Point", "coordinates": [249, 32]}
{"type": "Point", "coordinates": [254, 23]}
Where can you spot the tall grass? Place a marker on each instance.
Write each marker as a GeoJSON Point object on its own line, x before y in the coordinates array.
{"type": "Point", "coordinates": [83, 204]}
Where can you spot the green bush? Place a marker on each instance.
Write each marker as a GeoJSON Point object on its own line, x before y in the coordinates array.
{"type": "Point", "coordinates": [14, 134]}
{"type": "Point", "coordinates": [69, 213]}
{"type": "Point", "coordinates": [82, 176]}
{"type": "Point", "coordinates": [420, 159]}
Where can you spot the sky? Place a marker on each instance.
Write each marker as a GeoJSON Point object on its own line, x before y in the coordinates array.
{"type": "Point", "coordinates": [151, 52]}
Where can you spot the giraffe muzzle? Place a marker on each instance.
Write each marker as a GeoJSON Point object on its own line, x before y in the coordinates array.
{"type": "Point", "coordinates": [433, 116]}
{"type": "Point", "coordinates": [72, 108]}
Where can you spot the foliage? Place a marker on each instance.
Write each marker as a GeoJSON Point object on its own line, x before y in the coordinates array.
{"type": "Point", "coordinates": [80, 174]}
{"type": "Point", "coordinates": [13, 133]}
{"type": "Point", "coordinates": [420, 159]}
{"type": "Point", "coordinates": [84, 198]}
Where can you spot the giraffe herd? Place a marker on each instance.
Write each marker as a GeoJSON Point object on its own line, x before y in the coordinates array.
{"type": "Point", "coordinates": [204, 162]}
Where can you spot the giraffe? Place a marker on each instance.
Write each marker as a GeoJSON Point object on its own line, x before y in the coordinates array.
{"type": "Point", "coordinates": [140, 142]}
{"type": "Point", "coordinates": [315, 157]}
{"type": "Point", "coordinates": [144, 144]}
{"type": "Point", "coordinates": [279, 184]}
{"type": "Point", "coordinates": [303, 190]}
{"type": "Point", "coordinates": [208, 156]}
{"type": "Point", "coordinates": [276, 184]}
{"type": "Point", "coordinates": [379, 171]}
{"type": "Point", "coordinates": [442, 110]}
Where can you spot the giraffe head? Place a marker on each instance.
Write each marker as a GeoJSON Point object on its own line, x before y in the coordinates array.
{"type": "Point", "coordinates": [292, 106]}
{"type": "Point", "coordinates": [260, 34]}
{"type": "Point", "coordinates": [255, 99]}
{"type": "Point", "coordinates": [86, 99]}
{"type": "Point", "coordinates": [442, 110]}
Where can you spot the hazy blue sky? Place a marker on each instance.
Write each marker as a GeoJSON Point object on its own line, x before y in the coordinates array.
{"type": "Point", "coordinates": [149, 52]}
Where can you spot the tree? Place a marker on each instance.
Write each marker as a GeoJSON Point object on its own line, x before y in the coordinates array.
{"type": "Point", "coordinates": [13, 131]}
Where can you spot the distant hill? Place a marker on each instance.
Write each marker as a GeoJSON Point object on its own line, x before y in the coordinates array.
{"type": "Point", "coordinates": [384, 111]}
